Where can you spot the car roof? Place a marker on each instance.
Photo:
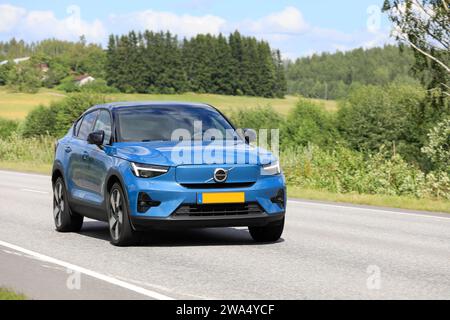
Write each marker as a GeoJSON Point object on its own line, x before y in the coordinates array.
{"type": "Point", "coordinates": [130, 104]}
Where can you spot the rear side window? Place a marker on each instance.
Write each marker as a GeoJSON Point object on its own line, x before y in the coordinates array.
{"type": "Point", "coordinates": [77, 127]}
{"type": "Point", "coordinates": [104, 123]}
{"type": "Point", "coordinates": [87, 125]}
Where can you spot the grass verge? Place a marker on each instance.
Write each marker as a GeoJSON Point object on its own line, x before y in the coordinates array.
{"type": "Point", "coordinates": [6, 294]}
{"type": "Point", "coordinates": [26, 166]}
{"type": "Point", "coordinates": [372, 200]}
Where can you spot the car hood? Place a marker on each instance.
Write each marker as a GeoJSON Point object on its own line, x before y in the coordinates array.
{"type": "Point", "coordinates": [175, 153]}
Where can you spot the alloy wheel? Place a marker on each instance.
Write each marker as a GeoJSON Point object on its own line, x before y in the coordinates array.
{"type": "Point", "coordinates": [58, 203]}
{"type": "Point", "coordinates": [116, 214]}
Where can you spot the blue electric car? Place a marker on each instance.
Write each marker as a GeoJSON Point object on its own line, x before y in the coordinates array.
{"type": "Point", "coordinates": [149, 165]}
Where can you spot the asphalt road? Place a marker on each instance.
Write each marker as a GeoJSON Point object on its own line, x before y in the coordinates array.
{"type": "Point", "coordinates": [327, 252]}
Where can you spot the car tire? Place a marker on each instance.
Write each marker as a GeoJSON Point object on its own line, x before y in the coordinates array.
{"type": "Point", "coordinates": [121, 232]}
{"type": "Point", "coordinates": [270, 233]}
{"type": "Point", "coordinates": [65, 219]}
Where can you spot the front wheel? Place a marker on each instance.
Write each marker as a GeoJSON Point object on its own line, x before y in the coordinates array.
{"type": "Point", "coordinates": [65, 219]}
{"type": "Point", "coordinates": [120, 228]}
{"type": "Point", "coordinates": [270, 233]}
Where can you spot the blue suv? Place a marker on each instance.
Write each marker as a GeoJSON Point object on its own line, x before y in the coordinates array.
{"type": "Point", "coordinates": [149, 165]}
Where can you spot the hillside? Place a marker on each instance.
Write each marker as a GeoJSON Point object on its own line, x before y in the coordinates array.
{"type": "Point", "coordinates": [17, 105]}
{"type": "Point", "coordinates": [330, 76]}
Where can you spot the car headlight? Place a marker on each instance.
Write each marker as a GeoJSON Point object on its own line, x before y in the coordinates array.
{"type": "Point", "coordinates": [148, 171]}
{"type": "Point", "coordinates": [271, 169]}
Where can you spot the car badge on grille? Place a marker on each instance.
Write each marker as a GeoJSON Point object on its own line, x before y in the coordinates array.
{"type": "Point", "coordinates": [220, 175]}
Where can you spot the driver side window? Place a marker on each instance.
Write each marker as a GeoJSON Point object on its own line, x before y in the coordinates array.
{"type": "Point", "coordinates": [104, 123]}
{"type": "Point", "coordinates": [87, 125]}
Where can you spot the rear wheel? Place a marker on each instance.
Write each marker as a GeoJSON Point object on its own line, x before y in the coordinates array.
{"type": "Point", "coordinates": [120, 228]}
{"type": "Point", "coordinates": [270, 233]}
{"type": "Point", "coordinates": [65, 220]}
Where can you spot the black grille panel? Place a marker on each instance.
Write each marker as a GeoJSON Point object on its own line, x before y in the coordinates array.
{"type": "Point", "coordinates": [217, 210]}
{"type": "Point", "coordinates": [218, 185]}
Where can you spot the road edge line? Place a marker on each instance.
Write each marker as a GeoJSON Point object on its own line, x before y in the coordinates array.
{"type": "Point", "coordinates": [93, 274]}
{"type": "Point", "coordinates": [405, 214]}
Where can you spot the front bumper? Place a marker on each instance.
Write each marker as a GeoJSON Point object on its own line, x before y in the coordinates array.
{"type": "Point", "coordinates": [172, 195]}
{"type": "Point", "coordinates": [144, 223]}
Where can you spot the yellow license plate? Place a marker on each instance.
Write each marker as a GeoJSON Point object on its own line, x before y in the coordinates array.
{"type": "Point", "coordinates": [223, 197]}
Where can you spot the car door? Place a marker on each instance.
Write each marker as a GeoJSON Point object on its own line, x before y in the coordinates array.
{"type": "Point", "coordinates": [99, 162]}
{"type": "Point", "coordinates": [79, 158]}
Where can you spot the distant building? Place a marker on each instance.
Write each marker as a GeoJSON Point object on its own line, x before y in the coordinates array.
{"type": "Point", "coordinates": [43, 67]}
{"type": "Point", "coordinates": [83, 80]}
{"type": "Point", "coordinates": [16, 61]}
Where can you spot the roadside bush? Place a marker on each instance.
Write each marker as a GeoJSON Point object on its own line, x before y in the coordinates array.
{"type": "Point", "coordinates": [375, 116]}
{"type": "Point", "coordinates": [256, 118]}
{"type": "Point", "coordinates": [36, 150]}
{"type": "Point", "coordinates": [72, 107]}
{"type": "Point", "coordinates": [438, 147]}
{"type": "Point", "coordinates": [41, 121]}
{"type": "Point", "coordinates": [57, 119]}
{"type": "Point", "coordinates": [342, 170]}
{"type": "Point", "coordinates": [68, 85]}
{"type": "Point", "coordinates": [309, 123]}
{"type": "Point", "coordinates": [7, 128]}
{"type": "Point", "coordinates": [98, 86]}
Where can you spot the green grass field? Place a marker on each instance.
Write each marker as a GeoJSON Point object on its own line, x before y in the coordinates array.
{"type": "Point", "coordinates": [17, 105]}
{"type": "Point", "coordinates": [6, 294]}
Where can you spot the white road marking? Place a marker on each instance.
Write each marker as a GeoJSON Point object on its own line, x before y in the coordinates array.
{"type": "Point", "coordinates": [35, 191]}
{"type": "Point", "coordinates": [405, 214]}
{"type": "Point", "coordinates": [99, 276]}
{"type": "Point", "coordinates": [24, 174]}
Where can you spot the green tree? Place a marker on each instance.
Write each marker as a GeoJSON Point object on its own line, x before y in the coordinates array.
{"type": "Point", "coordinates": [25, 77]}
{"type": "Point", "coordinates": [309, 123]}
{"type": "Point", "coordinates": [375, 116]}
{"type": "Point", "coordinates": [280, 84]}
{"type": "Point", "coordinates": [438, 146]}
{"type": "Point", "coordinates": [425, 26]}
{"type": "Point", "coordinates": [5, 69]}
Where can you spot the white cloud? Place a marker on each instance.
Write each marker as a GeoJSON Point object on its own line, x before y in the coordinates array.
{"type": "Point", "coordinates": [183, 25]}
{"type": "Point", "coordinates": [10, 17]}
{"type": "Point", "coordinates": [290, 21]}
{"type": "Point", "coordinates": [285, 29]}
{"type": "Point", "coordinates": [38, 25]}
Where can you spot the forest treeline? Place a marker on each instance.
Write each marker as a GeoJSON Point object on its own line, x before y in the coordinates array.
{"type": "Point", "coordinates": [333, 75]}
{"type": "Point", "coordinates": [152, 62]}
{"type": "Point", "coordinates": [159, 62]}
{"type": "Point", "coordinates": [233, 65]}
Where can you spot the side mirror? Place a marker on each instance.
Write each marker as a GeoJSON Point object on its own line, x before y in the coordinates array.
{"type": "Point", "coordinates": [96, 137]}
{"type": "Point", "coordinates": [250, 135]}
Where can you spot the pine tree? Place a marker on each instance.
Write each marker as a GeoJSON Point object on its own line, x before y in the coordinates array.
{"type": "Point", "coordinates": [221, 75]}
{"type": "Point", "coordinates": [235, 42]}
{"type": "Point", "coordinates": [280, 87]}
{"type": "Point", "coordinates": [111, 62]}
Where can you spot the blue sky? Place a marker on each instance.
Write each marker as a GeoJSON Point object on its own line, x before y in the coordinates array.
{"type": "Point", "coordinates": [296, 27]}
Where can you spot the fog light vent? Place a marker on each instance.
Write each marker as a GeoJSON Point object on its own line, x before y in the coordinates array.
{"type": "Point", "coordinates": [279, 198]}
{"type": "Point", "coordinates": [145, 202]}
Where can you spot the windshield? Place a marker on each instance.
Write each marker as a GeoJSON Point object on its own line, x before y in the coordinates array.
{"type": "Point", "coordinates": [170, 123]}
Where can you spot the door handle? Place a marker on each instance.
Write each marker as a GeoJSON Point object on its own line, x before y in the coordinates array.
{"type": "Point", "coordinates": [85, 155]}
{"type": "Point", "coordinates": [68, 149]}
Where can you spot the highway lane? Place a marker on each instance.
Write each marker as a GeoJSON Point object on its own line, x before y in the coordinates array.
{"type": "Point", "coordinates": [327, 252]}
